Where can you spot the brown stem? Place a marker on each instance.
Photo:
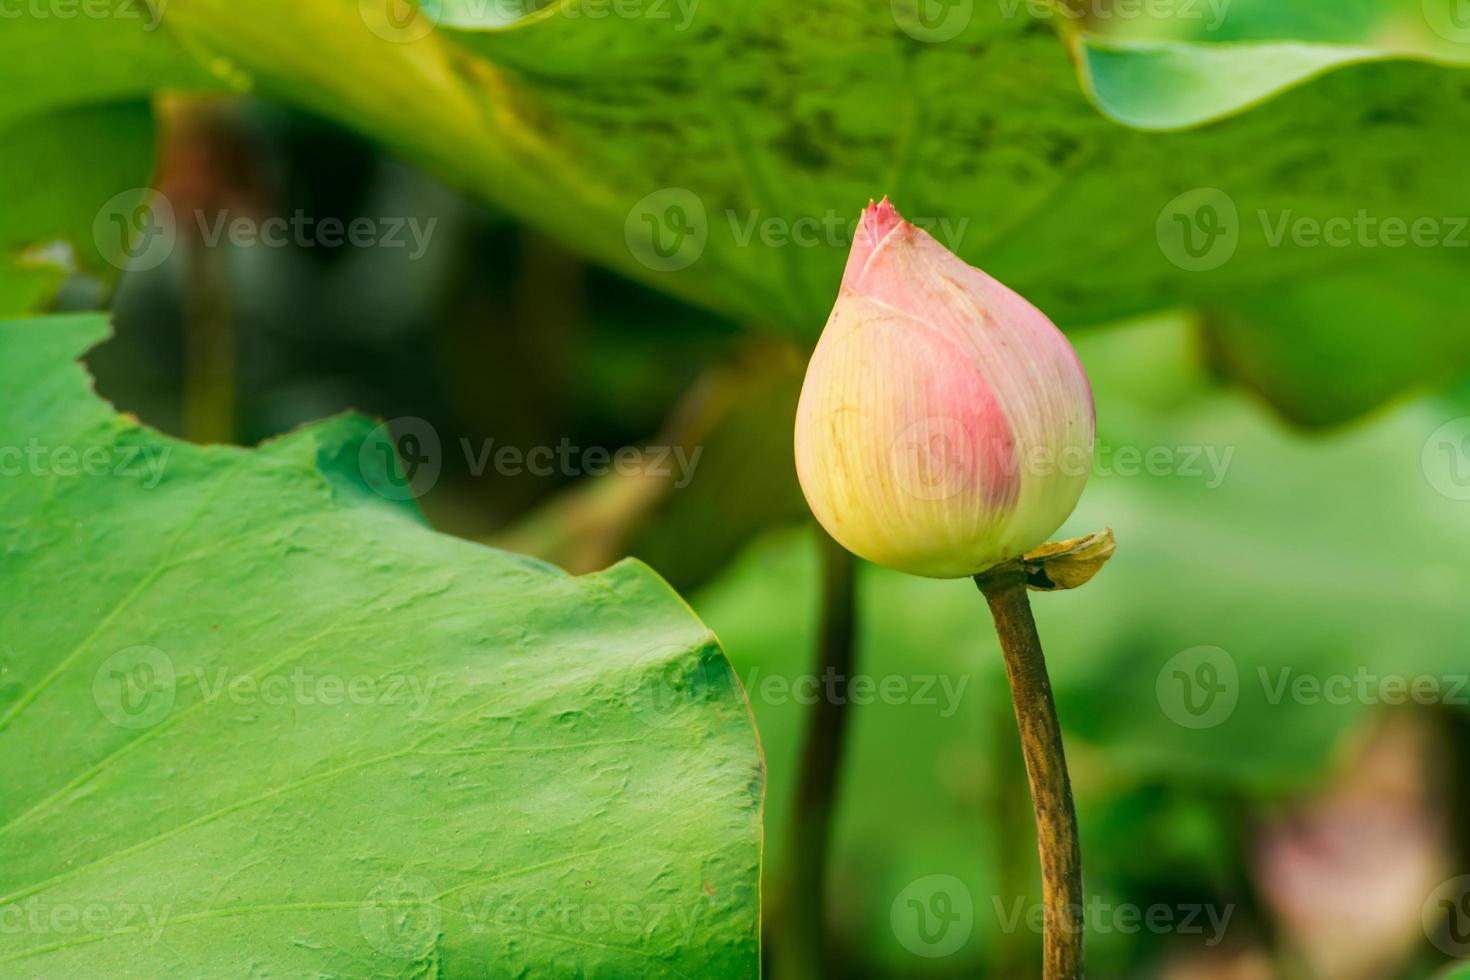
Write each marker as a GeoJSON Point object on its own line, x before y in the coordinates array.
{"type": "Point", "coordinates": [803, 952]}
{"type": "Point", "coordinates": [1046, 768]}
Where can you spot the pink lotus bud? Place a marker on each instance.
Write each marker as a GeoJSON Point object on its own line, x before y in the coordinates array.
{"type": "Point", "coordinates": [945, 423]}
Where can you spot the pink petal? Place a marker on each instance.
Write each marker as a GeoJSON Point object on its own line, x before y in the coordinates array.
{"type": "Point", "coordinates": [877, 222]}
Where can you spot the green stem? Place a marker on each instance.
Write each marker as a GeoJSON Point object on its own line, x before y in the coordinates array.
{"type": "Point", "coordinates": [802, 951]}
{"type": "Point", "coordinates": [208, 412]}
{"type": "Point", "coordinates": [1004, 589]}
{"type": "Point", "coordinates": [1012, 825]}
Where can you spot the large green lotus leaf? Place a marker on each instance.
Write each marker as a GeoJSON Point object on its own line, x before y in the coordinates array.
{"type": "Point", "coordinates": [754, 131]}
{"type": "Point", "coordinates": [1269, 594]}
{"type": "Point", "coordinates": [723, 150]}
{"type": "Point", "coordinates": [256, 718]}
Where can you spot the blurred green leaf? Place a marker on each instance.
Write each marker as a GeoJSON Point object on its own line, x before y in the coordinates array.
{"type": "Point", "coordinates": [103, 51]}
{"type": "Point", "coordinates": [744, 483]}
{"type": "Point", "coordinates": [60, 171]}
{"type": "Point", "coordinates": [1328, 347]}
{"type": "Point", "coordinates": [77, 131]}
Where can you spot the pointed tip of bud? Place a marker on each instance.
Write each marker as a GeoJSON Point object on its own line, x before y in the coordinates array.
{"type": "Point", "coordinates": [881, 218]}
{"type": "Point", "coordinates": [878, 221]}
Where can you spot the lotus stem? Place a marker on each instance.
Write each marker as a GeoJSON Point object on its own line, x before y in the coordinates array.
{"type": "Point", "coordinates": [804, 943]}
{"type": "Point", "coordinates": [1004, 589]}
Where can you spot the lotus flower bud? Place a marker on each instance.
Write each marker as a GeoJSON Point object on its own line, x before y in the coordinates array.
{"type": "Point", "coordinates": [945, 423]}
